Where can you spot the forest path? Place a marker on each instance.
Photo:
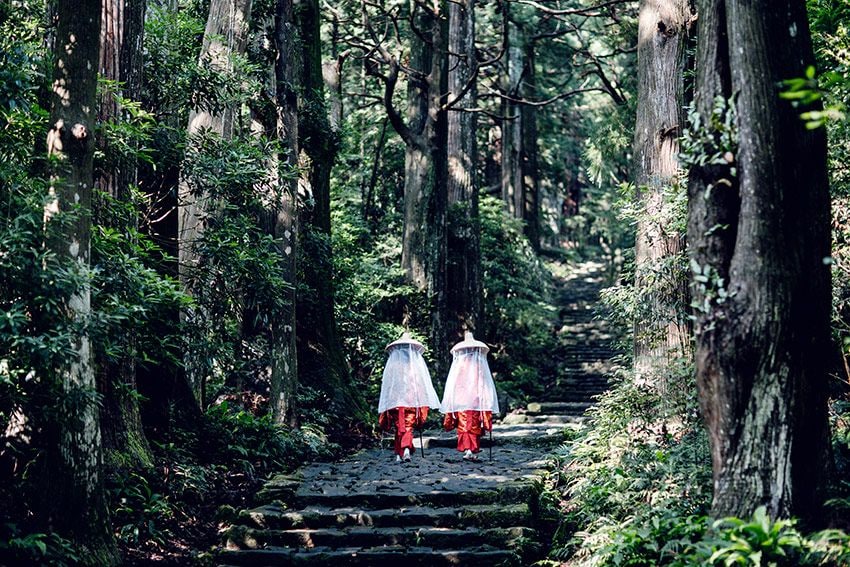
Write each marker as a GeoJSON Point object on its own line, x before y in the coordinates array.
{"type": "Point", "coordinates": [438, 510]}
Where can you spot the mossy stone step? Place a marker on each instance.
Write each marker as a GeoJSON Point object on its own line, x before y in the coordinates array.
{"type": "Point", "coordinates": [530, 435]}
{"type": "Point", "coordinates": [242, 537]}
{"type": "Point", "coordinates": [507, 493]}
{"type": "Point", "coordinates": [484, 556]}
{"type": "Point", "coordinates": [548, 419]}
{"type": "Point", "coordinates": [273, 516]}
{"type": "Point", "coordinates": [565, 408]}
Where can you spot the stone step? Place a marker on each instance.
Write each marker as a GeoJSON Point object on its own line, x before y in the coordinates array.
{"type": "Point", "coordinates": [242, 537]}
{"type": "Point", "coordinates": [273, 516]}
{"type": "Point", "coordinates": [548, 419]}
{"type": "Point", "coordinates": [566, 408]}
{"type": "Point", "coordinates": [516, 433]}
{"type": "Point", "coordinates": [507, 493]}
{"type": "Point", "coordinates": [395, 555]}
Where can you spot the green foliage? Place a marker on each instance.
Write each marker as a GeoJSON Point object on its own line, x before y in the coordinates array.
{"type": "Point", "coordinates": [21, 548]}
{"type": "Point", "coordinates": [239, 284]}
{"type": "Point", "coordinates": [643, 451]}
{"type": "Point", "coordinates": [664, 537]}
{"type": "Point", "coordinates": [518, 313]}
{"type": "Point", "coordinates": [711, 140]}
{"type": "Point", "coordinates": [139, 512]}
{"type": "Point", "coordinates": [239, 440]}
{"type": "Point", "coordinates": [130, 296]}
{"type": "Point", "coordinates": [372, 296]}
{"type": "Point", "coordinates": [757, 540]}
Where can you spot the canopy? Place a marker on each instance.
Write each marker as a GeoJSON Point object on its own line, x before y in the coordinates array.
{"type": "Point", "coordinates": [406, 381]}
{"type": "Point", "coordinates": [470, 384]}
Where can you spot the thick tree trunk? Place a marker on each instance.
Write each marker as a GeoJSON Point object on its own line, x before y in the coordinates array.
{"type": "Point", "coordinates": [121, 35]}
{"type": "Point", "coordinates": [528, 153]}
{"type": "Point", "coordinates": [226, 35]}
{"type": "Point", "coordinates": [418, 187]}
{"type": "Point", "coordinates": [512, 187]}
{"type": "Point", "coordinates": [760, 233]}
{"type": "Point", "coordinates": [284, 379]}
{"type": "Point", "coordinates": [418, 158]}
{"type": "Point", "coordinates": [321, 358]}
{"type": "Point", "coordinates": [661, 327]}
{"type": "Point", "coordinates": [464, 288]}
{"type": "Point", "coordinates": [73, 503]}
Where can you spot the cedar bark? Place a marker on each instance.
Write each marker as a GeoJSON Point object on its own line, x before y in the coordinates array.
{"type": "Point", "coordinates": [464, 286]}
{"type": "Point", "coordinates": [225, 35]}
{"type": "Point", "coordinates": [761, 353]}
{"type": "Point", "coordinates": [528, 152]}
{"type": "Point", "coordinates": [512, 187]}
{"type": "Point", "coordinates": [73, 502]}
{"type": "Point", "coordinates": [661, 329]}
{"type": "Point", "coordinates": [121, 36]}
{"type": "Point", "coordinates": [423, 109]}
{"type": "Point", "coordinates": [284, 379]}
{"type": "Point", "coordinates": [320, 355]}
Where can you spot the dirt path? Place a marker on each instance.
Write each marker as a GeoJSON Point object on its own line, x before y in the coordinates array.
{"type": "Point", "coordinates": [437, 510]}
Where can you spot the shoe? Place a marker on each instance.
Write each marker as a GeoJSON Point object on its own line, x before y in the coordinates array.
{"type": "Point", "coordinates": [469, 456]}
{"type": "Point", "coordinates": [406, 457]}
{"type": "Point", "coordinates": [397, 459]}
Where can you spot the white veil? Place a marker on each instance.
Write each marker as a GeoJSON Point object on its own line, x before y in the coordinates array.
{"type": "Point", "coordinates": [470, 384]}
{"type": "Point", "coordinates": [406, 381]}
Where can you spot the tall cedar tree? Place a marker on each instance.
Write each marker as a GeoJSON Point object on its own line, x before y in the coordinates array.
{"type": "Point", "coordinates": [72, 502]}
{"type": "Point", "coordinates": [320, 352]}
{"type": "Point", "coordinates": [122, 29]}
{"type": "Point", "coordinates": [423, 132]}
{"type": "Point", "coordinates": [759, 227]}
{"type": "Point", "coordinates": [226, 35]}
{"type": "Point", "coordinates": [661, 329]}
{"type": "Point", "coordinates": [285, 225]}
{"type": "Point", "coordinates": [464, 292]}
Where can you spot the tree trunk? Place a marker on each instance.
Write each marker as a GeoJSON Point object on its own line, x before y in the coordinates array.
{"type": "Point", "coordinates": [418, 158]}
{"type": "Point", "coordinates": [528, 154]}
{"type": "Point", "coordinates": [284, 379]}
{"type": "Point", "coordinates": [464, 287]}
{"type": "Point", "coordinates": [760, 234]}
{"type": "Point", "coordinates": [512, 186]}
{"type": "Point", "coordinates": [661, 328]}
{"type": "Point", "coordinates": [418, 186]}
{"type": "Point", "coordinates": [73, 501]}
{"type": "Point", "coordinates": [121, 35]}
{"type": "Point", "coordinates": [226, 35]}
{"type": "Point", "coordinates": [321, 359]}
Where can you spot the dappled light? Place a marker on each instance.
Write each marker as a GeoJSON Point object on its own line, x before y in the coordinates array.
{"type": "Point", "coordinates": [444, 282]}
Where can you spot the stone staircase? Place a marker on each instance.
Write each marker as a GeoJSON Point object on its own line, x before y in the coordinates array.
{"type": "Point", "coordinates": [370, 510]}
{"type": "Point", "coordinates": [437, 510]}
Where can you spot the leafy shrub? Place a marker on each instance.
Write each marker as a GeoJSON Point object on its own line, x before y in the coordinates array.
{"type": "Point", "coordinates": [641, 453]}
{"type": "Point", "coordinates": [518, 313]}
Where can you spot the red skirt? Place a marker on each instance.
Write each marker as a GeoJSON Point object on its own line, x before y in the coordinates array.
{"type": "Point", "coordinates": [471, 425]}
{"type": "Point", "coordinates": [405, 421]}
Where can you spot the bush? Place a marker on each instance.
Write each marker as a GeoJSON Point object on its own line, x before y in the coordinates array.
{"type": "Point", "coordinates": [518, 309]}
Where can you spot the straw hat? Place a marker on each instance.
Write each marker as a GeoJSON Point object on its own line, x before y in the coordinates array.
{"type": "Point", "coordinates": [470, 342]}
{"type": "Point", "coordinates": [407, 340]}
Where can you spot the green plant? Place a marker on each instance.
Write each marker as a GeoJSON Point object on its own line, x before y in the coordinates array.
{"type": "Point", "coordinates": [755, 541]}
{"type": "Point", "coordinates": [140, 512]}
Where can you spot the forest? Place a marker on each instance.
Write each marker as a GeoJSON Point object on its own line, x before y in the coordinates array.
{"type": "Point", "coordinates": [217, 214]}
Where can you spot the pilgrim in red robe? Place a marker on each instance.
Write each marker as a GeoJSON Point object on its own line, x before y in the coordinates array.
{"type": "Point", "coordinates": [404, 421]}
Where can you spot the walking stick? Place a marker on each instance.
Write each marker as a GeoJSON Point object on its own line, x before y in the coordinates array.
{"type": "Point", "coordinates": [421, 426]}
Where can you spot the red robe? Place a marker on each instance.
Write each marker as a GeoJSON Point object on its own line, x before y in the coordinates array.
{"type": "Point", "coordinates": [471, 425]}
{"type": "Point", "coordinates": [405, 420]}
